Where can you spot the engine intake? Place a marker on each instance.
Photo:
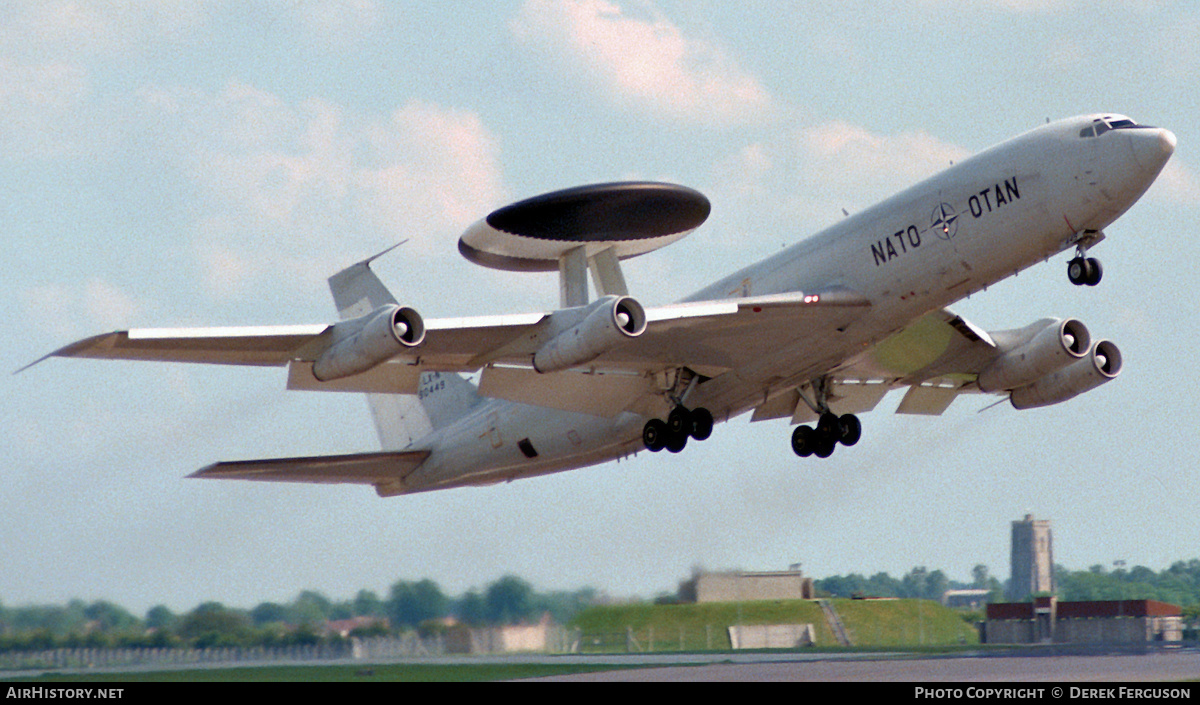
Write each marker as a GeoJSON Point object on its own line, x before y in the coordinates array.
{"type": "Point", "coordinates": [1102, 365]}
{"type": "Point", "coordinates": [365, 342]}
{"type": "Point", "coordinates": [590, 331]}
{"type": "Point", "coordinates": [1057, 345]}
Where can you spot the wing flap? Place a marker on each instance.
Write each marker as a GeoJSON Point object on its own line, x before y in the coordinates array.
{"type": "Point", "coordinates": [385, 468]}
{"type": "Point", "coordinates": [927, 399]}
{"type": "Point", "coordinates": [388, 378]}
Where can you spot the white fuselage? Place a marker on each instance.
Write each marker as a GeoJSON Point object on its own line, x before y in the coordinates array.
{"type": "Point", "coordinates": [975, 223]}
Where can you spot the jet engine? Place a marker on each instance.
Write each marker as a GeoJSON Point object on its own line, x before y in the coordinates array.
{"type": "Point", "coordinates": [1058, 344]}
{"type": "Point", "coordinates": [589, 331]}
{"type": "Point", "coordinates": [365, 342]}
{"type": "Point", "coordinates": [1102, 364]}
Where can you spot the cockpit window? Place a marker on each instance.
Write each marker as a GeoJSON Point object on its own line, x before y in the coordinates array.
{"type": "Point", "coordinates": [1101, 125]}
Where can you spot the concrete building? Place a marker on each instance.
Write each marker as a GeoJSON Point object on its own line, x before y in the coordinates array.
{"type": "Point", "coordinates": [741, 586]}
{"type": "Point", "coordinates": [515, 638]}
{"type": "Point", "coordinates": [970, 598]}
{"type": "Point", "coordinates": [1032, 558]}
{"type": "Point", "coordinates": [1046, 620]}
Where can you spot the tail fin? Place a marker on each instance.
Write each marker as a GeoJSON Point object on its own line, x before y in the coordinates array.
{"type": "Point", "coordinates": [400, 419]}
{"type": "Point", "coordinates": [356, 289]}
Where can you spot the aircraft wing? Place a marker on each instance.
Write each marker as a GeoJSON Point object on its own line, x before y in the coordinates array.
{"type": "Point", "coordinates": [709, 337]}
{"type": "Point", "coordinates": [253, 345]}
{"type": "Point", "coordinates": [936, 358]}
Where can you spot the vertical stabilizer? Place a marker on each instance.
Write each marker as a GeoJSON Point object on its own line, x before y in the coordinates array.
{"type": "Point", "coordinates": [357, 291]}
{"type": "Point", "coordinates": [400, 419]}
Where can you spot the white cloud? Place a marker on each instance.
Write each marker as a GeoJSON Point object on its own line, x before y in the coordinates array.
{"type": "Point", "coordinates": [811, 172]}
{"type": "Point", "coordinates": [849, 155]}
{"type": "Point", "coordinates": [647, 62]}
{"type": "Point", "coordinates": [790, 184]}
{"type": "Point", "coordinates": [288, 189]}
{"type": "Point", "coordinates": [70, 310]}
{"type": "Point", "coordinates": [41, 106]}
{"type": "Point", "coordinates": [49, 104]}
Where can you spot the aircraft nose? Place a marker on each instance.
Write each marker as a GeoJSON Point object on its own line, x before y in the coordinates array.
{"type": "Point", "coordinates": [1152, 147]}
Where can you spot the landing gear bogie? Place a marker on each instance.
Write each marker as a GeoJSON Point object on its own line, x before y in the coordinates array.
{"type": "Point", "coordinates": [830, 431]}
{"type": "Point", "coordinates": [681, 424]}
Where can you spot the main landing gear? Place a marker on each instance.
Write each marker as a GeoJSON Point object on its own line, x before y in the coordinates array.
{"type": "Point", "coordinates": [682, 423]}
{"type": "Point", "coordinates": [1083, 269]}
{"type": "Point", "coordinates": [831, 429]}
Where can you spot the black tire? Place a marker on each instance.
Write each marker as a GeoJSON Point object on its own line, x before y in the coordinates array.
{"type": "Point", "coordinates": [823, 448]}
{"type": "Point", "coordinates": [803, 439]}
{"type": "Point", "coordinates": [676, 442]}
{"type": "Point", "coordinates": [1095, 271]}
{"type": "Point", "coordinates": [828, 425]}
{"type": "Point", "coordinates": [851, 429]}
{"type": "Point", "coordinates": [654, 435]}
{"type": "Point", "coordinates": [679, 421]}
{"type": "Point", "coordinates": [1077, 271]}
{"type": "Point", "coordinates": [702, 424]}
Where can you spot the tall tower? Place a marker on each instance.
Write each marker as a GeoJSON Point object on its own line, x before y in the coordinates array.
{"type": "Point", "coordinates": [1032, 558]}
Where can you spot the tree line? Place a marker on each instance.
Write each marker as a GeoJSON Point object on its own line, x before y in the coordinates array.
{"type": "Point", "coordinates": [420, 606]}
{"type": "Point", "coordinates": [423, 607]}
{"type": "Point", "coordinates": [1179, 584]}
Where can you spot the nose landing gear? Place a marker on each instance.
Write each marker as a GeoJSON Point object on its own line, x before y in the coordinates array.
{"type": "Point", "coordinates": [1083, 270]}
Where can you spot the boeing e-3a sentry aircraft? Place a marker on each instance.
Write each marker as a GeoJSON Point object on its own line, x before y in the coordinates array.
{"type": "Point", "coordinates": [818, 333]}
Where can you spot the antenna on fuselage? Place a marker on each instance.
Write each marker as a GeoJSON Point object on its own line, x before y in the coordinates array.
{"type": "Point", "coordinates": [588, 228]}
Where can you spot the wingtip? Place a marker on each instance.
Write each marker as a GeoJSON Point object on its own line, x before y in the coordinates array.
{"type": "Point", "coordinates": [374, 257]}
{"type": "Point", "coordinates": [203, 473]}
{"type": "Point", "coordinates": [40, 359]}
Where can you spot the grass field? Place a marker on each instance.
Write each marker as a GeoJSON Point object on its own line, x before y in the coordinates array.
{"type": "Point", "coordinates": [903, 625]}
{"type": "Point", "coordinates": [687, 627]}
{"type": "Point", "coordinates": [702, 627]}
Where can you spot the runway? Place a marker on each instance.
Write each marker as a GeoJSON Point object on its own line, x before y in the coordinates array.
{"type": "Point", "coordinates": [1168, 667]}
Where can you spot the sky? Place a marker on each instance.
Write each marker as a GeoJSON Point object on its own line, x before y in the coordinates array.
{"type": "Point", "coordinates": [168, 163]}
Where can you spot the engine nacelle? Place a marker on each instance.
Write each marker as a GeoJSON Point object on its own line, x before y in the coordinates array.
{"type": "Point", "coordinates": [1054, 347]}
{"type": "Point", "coordinates": [590, 332]}
{"type": "Point", "coordinates": [1102, 365]}
{"type": "Point", "coordinates": [365, 342]}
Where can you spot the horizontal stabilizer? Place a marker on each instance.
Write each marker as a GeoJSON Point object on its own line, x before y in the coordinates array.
{"type": "Point", "coordinates": [386, 468]}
